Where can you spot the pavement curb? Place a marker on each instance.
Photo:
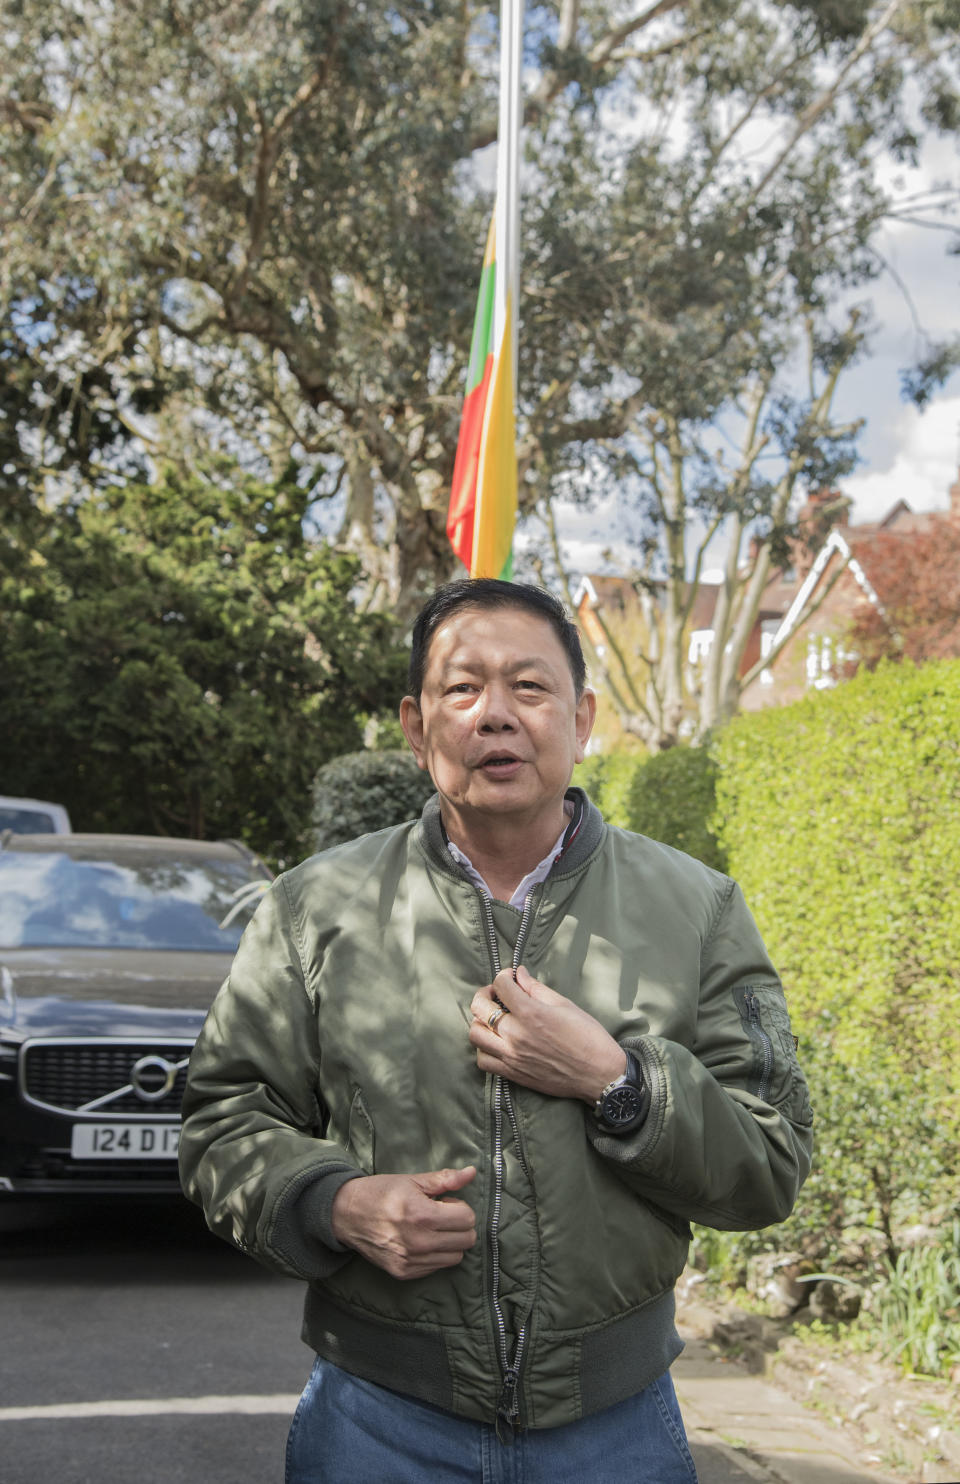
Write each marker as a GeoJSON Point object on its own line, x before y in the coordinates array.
{"type": "Point", "coordinates": [761, 1428]}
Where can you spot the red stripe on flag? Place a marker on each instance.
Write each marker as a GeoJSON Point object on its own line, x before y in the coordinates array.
{"type": "Point", "coordinates": [463, 495]}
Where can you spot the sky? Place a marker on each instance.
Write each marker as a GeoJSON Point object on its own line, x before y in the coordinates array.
{"type": "Point", "coordinates": [907, 453]}
{"type": "Point", "coordinates": [904, 453]}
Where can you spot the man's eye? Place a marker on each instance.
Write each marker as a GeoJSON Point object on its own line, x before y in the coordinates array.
{"type": "Point", "coordinates": [530, 684]}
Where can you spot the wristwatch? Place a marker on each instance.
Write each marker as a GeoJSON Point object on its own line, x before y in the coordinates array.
{"type": "Point", "coordinates": [624, 1102]}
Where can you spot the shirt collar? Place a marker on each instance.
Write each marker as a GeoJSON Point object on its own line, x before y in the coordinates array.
{"type": "Point", "coordinates": [532, 878]}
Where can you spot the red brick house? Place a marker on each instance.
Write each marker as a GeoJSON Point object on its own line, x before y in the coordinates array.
{"type": "Point", "coordinates": [842, 574]}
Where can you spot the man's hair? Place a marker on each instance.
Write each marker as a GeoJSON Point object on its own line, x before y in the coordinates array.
{"type": "Point", "coordinates": [490, 592]}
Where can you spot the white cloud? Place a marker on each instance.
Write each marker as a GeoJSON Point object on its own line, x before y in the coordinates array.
{"type": "Point", "coordinates": [921, 466]}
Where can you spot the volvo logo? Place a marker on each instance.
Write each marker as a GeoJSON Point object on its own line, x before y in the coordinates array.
{"type": "Point", "coordinates": [153, 1077]}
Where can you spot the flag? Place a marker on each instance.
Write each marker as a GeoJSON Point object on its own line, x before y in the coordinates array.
{"type": "Point", "coordinates": [483, 499]}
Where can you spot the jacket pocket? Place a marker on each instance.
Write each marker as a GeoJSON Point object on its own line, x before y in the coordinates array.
{"type": "Point", "coordinates": [361, 1136]}
{"type": "Point", "coordinates": [776, 1077]}
{"type": "Point", "coordinates": [678, 1225]}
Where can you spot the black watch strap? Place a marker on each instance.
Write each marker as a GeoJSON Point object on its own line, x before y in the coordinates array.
{"type": "Point", "coordinates": [624, 1103]}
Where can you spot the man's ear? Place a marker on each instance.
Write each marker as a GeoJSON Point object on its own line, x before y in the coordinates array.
{"type": "Point", "coordinates": [585, 717]}
{"type": "Point", "coordinates": [411, 720]}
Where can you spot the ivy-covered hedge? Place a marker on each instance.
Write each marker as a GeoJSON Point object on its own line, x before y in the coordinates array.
{"type": "Point", "coordinates": [670, 797]}
{"type": "Point", "coordinates": [841, 819]}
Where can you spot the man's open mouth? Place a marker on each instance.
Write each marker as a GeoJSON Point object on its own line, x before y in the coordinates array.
{"type": "Point", "coordinates": [500, 764]}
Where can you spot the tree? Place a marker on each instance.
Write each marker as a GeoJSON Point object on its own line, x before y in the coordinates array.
{"type": "Point", "coordinates": [719, 432]}
{"type": "Point", "coordinates": [272, 218]}
{"type": "Point", "coordinates": [177, 659]}
{"type": "Point", "coordinates": [918, 576]}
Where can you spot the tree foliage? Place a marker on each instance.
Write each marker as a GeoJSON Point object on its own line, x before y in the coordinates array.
{"type": "Point", "coordinates": [178, 659]}
{"type": "Point", "coordinates": [918, 575]}
{"type": "Point", "coordinates": [263, 225]}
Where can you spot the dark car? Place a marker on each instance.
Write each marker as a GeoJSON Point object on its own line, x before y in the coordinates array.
{"type": "Point", "coordinates": [111, 950]}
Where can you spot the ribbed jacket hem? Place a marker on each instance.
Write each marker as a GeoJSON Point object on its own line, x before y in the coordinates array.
{"type": "Point", "coordinates": [570, 1373]}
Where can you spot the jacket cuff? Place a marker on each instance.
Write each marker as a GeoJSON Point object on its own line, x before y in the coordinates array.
{"type": "Point", "coordinates": [625, 1148]}
{"type": "Point", "coordinates": [304, 1226]}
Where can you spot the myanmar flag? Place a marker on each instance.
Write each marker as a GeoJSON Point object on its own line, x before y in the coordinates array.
{"type": "Point", "coordinates": [483, 500]}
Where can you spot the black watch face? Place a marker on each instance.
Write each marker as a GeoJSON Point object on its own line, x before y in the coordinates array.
{"type": "Point", "coordinates": [622, 1105]}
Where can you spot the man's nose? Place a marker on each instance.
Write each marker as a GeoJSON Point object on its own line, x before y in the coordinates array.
{"type": "Point", "coordinates": [496, 712]}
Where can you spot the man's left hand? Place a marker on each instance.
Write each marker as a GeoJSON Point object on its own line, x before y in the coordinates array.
{"type": "Point", "coordinates": [545, 1042]}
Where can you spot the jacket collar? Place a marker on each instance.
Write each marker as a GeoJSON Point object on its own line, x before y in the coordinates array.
{"type": "Point", "coordinates": [581, 840]}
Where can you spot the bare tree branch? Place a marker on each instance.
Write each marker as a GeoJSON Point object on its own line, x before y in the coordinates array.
{"type": "Point", "coordinates": [768, 660]}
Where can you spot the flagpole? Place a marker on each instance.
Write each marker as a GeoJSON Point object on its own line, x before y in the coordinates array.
{"type": "Point", "coordinates": [482, 512]}
{"type": "Point", "coordinates": [508, 174]}
{"type": "Point", "coordinates": [495, 511]}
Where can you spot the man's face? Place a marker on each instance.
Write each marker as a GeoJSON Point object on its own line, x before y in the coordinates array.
{"type": "Point", "coordinates": [498, 725]}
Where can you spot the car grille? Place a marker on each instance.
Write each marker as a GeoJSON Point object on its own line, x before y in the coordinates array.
{"type": "Point", "coordinates": [68, 1076]}
{"type": "Point", "coordinates": [48, 1170]}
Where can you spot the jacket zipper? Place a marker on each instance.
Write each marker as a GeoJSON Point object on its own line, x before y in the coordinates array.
{"type": "Point", "coordinates": [753, 1014]}
{"type": "Point", "coordinates": [508, 1405]}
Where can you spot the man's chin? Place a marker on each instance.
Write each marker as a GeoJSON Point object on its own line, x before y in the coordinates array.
{"type": "Point", "coordinates": [501, 801]}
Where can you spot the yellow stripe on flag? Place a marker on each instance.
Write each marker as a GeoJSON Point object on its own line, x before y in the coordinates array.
{"type": "Point", "coordinates": [496, 508]}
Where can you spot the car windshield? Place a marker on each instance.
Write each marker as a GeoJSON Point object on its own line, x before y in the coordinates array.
{"type": "Point", "coordinates": [50, 900]}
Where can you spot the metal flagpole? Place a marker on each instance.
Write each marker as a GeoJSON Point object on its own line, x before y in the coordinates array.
{"type": "Point", "coordinates": [507, 286]}
{"type": "Point", "coordinates": [495, 508]}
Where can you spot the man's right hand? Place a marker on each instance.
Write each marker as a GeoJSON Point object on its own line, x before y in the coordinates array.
{"type": "Point", "coordinates": [406, 1224]}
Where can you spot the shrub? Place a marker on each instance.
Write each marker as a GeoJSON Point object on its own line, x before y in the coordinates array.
{"type": "Point", "coordinates": [841, 819]}
{"type": "Point", "coordinates": [364, 791]}
{"type": "Point", "coordinates": [669, 796]}
{"type": "Point", "coordinates": [606, 777]}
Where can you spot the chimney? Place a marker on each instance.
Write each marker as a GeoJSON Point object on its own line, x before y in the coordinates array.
{"type": "Point", "coordinates": [825, 509]}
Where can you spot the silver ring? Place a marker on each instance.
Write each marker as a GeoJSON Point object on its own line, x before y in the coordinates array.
{"type": "Point", "coordinates": [496, 1015]}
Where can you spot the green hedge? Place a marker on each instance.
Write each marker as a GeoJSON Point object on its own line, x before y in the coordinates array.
{"type": "Point", "coordinates": [365, 791]}
{"type": "Point", "coordinates": [669, 796]}
{"type": "Point", "coordinates": [841, 819]}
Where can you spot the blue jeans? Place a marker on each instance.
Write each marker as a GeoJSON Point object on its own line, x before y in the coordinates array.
{"type": "Point", "coordinates": [348, 1431]}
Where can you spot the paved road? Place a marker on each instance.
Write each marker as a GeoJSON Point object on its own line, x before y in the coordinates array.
{"type": "Point", "coordinates": [137, 1349]}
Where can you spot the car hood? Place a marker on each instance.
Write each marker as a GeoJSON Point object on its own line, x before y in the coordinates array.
{"type": "Point", "coordinates": [76, 988]}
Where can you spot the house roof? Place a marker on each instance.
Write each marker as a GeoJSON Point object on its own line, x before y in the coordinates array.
{"type": "Point", "coordinates": [618, 593]}
{"type": "Point", "coordinates": [785, 585]}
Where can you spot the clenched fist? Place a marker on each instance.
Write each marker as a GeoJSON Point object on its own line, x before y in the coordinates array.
{"type": "Point", "coordinates": [409, 1225]}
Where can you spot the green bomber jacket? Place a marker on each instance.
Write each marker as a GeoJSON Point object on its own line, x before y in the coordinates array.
{"type": "Point", "coordinates": [338, 1046]}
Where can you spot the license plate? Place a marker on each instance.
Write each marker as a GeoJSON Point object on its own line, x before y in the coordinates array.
{"type": "Point", "coordinates": [125, 1140]}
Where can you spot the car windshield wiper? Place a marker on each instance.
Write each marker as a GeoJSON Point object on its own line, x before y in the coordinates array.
{"type": "Point", "coordinates": [243, 899]}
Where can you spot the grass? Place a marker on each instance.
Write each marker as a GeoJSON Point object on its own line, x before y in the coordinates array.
{"type": "Point", "coordinates": [917, 1307]}
{"type": "Point", "coordinates": [910, 1310]}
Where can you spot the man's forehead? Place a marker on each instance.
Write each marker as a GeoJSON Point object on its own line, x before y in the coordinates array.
{"type": "Point", "coordinates": [532, 638]}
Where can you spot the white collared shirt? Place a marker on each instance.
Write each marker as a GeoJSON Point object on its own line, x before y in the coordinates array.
{"type": "Point", "coordinates": [532, 878]}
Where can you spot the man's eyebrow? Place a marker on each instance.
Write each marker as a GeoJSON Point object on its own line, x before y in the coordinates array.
{"type": "Point", "coordinates": [535, 662]}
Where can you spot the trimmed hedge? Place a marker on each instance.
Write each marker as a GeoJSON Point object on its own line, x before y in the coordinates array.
{"type": "Point", "coordinates": [365, 791]}
{"type": "Point", "coordinates": [841, 819]}
{"type": "Point", "coordinates": [669, 796]}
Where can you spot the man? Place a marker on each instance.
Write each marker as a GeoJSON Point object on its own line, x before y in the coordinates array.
{"type": "Point", "coordinates": [472, 1077]}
